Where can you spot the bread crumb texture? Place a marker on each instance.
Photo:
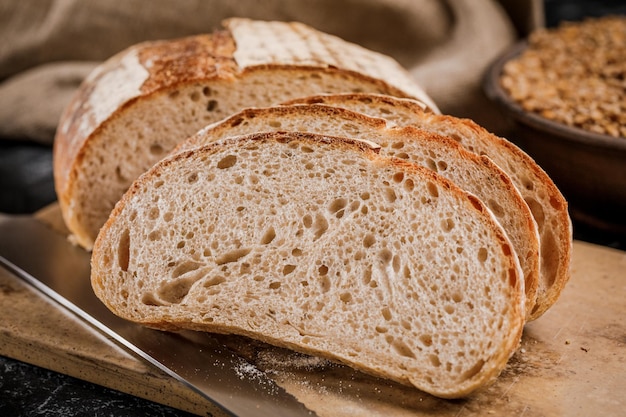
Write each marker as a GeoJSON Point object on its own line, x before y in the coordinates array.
{"type": "Point", "coordinates": [323, 247]}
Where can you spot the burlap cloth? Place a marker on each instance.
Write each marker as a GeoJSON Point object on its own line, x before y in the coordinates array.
{"type": "Point", "coordinates": [48, 46]}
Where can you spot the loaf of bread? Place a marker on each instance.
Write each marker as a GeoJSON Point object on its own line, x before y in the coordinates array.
{"type": "Point", "coordinates": [321, 245]}
{"type": "Point", "coordinates": [473, 173]}
{"type": "Point", "coordinates": [134, 108]}
{"type": "Point", "coordinates": [548, 206]}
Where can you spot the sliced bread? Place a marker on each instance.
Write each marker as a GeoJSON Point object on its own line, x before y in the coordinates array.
{"type": "Point", "coordinates": [546, 202]}
{"type": "Point", "coordinates": [473, 173]}
{"type": "Point", "coordinates": [323, 246]}
{"type": "Point", "coordinates": [136, 106]}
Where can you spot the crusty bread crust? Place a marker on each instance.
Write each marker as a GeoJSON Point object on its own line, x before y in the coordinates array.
{"type": "Point", "coordinates": [158, 234]}
{"type": "Point", "coordinates": [544, 199]}
{"type": "Point", "coordinates": [150, 70]}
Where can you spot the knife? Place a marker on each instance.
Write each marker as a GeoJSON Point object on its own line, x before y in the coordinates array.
{"type": "Point", "coordinates": [61, 271]}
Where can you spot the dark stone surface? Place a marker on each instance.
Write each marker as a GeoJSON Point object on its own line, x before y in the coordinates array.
{"type": "Point", "coordinates": [27, 390]}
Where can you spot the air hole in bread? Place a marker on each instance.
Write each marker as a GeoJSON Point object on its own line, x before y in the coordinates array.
{"type": "Point", "coordinates": [227, 162]}
{"type": "Point", "coordinates": [434, 360]}
{"type": "Point", "coordinates": [527, 183]}
{"type": "Point", "coordinates": [307, 220]}
{"type": "Point", "coordinates": [426, 340]}
{"type": "Point", "coordinates": [396, 264]}
{"type": "Point", "coordinates": [156, 149]}
{"type": "Point", "coordinates": [150, 299]}
{"type": "Point", "coordinates": [288, 269]}
{"type": "Point", "coordinates": [275, 285]}
{"type": "Point", "coordinates": [474, 370]}
{"type": "Point", "coordinates": [381, 329]}
{"type": "Point", "coordinates": [274, 123]}
{"type": "Point", "coordinates": [406, 272]}
{"type": "Point", "coordinates": [325, 283]}
{"type": "Point", "coordinates": [123, 250]}
{"type": "Point", "coordinates": [268, 236]}
{"type": "Point", "coordinates": [369, 240]}
{"type": "Point", "coordinates": [386, 312]}
{"type": "Point", "coordinates": [385, 256]}
{"type": "Point", "coordinates": [337, 205]}
{"type": "Point", "coordinates": [390, 195]}
{"type": "Point", "coordinates": [184, 268]}
{"type": "Point", "coordinates": [398, 177]}
{"type": "Point", "coordinates": [456, 137]}
{"type": "Point", "coordinates": [512, 277]}
{"type": "Point", "coordinates": [447, 225]}
{"type": "Point", "coordinates": [320, 226]}
{"type": "Point", "coordinates": [442, 165]}
{"type": "Point", "coordinates": [345, 297]}
{"type": "Point", "coordinates": [495, 208]}
{"type": "Point", "coordinates": [193, 177]}
{"type": "Point", "coordinates": [194, 96]}
{"type": "Point", "coordinates": [232, 256]}
{"type": "Point", "coordinates": [475, 202]}
{"type": "Point", "coordinates": [174, 291]}
{"type": "Point", "coordinates": [537, 210]}
{"type": "Point", "coordinates": [432, 189]}
{"type": "Point", "coordinates": [556, 203]}
{"type": "Point", "coordinates": [482, 254]}
{"type": "Point", "coordinates": [213, 281]}
{"type": "Point", "coordinates": [306, 149]}
{"type": "Point", "coordinates": [322, 270]}
{"type": "Point", "coordinates": [153, 213]}
{"type": "Point", "coordinates": [119, 176]}
{"type": "Point", "coordinates": [367, 276]}
{"type": "Point", "coordinates": [402, 349]}
{"type": "Point", "coordinates": [244, 268]}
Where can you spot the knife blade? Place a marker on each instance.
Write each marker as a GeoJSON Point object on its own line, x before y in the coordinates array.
{"type": "Point", "coordinates": [61, 271]}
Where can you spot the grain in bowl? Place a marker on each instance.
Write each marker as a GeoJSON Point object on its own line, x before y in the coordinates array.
{"type": "Point", "coordinates": [574, 74]}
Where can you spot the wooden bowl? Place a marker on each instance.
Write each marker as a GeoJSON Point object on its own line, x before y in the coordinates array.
{"type": "Point", "coordinates": [588, 168]}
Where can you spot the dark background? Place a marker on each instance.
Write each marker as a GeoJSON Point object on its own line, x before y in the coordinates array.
{"type": "Point", "coordinates": [26, 185]}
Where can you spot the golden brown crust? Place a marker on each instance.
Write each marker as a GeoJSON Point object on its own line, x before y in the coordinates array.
{"type": "Point", "coordinates": [190, 59]}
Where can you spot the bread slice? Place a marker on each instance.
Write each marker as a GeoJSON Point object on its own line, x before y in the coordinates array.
{"type": "Point", "coordinates": [136, 106]}
{"type": "Point", "coordinates": [546, 202]}
{"type": "Point", "coordinates": [320, 245]}
{"type": "Point", "coordinates": [473, 173]}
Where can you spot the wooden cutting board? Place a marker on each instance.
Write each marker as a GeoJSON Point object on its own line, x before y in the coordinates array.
{"type": "Point", "coordinates": [571, 362]}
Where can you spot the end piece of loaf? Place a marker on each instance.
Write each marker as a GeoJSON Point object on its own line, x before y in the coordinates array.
{"type": "Point", "coordinates": [135, 107]}
{"type": "Point", "coordinates": [548, 206]}
{"type": "Point", "coordinates": [323, 246]}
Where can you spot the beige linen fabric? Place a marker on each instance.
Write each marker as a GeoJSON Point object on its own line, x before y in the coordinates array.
{"type": "Point", "coordinates": [48, 46]}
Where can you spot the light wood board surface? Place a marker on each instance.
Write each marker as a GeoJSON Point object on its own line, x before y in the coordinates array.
{"type": "Point", "coordinates": [571, 362]}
